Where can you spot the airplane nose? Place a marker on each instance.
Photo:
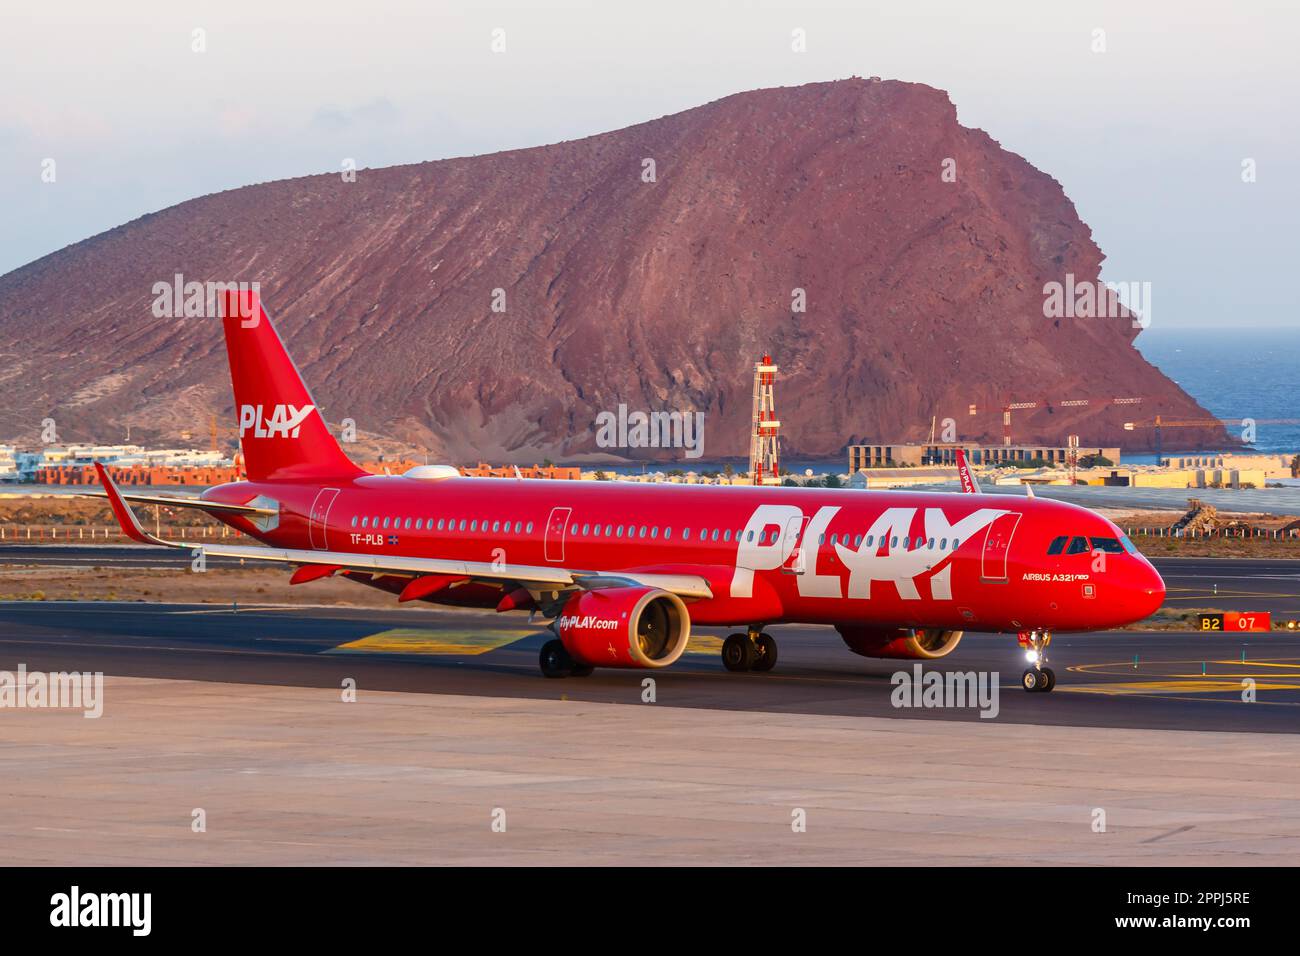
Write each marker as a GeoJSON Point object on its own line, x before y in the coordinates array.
{"type": "Point", "coordinates": [1151, 592]}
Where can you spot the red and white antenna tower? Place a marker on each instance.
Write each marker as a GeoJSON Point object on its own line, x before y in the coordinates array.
{"type": "Point", "coordinates": [764, 442]}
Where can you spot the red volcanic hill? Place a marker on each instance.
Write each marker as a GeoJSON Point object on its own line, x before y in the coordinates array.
{"type": "Point", "coordinates": [924, 297]}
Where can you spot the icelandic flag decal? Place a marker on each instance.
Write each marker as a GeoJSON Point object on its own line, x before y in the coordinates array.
{"type": "Point", "coordinates": [392, 539]}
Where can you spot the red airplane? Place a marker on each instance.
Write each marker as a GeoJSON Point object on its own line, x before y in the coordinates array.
{"type": "Point", "coordinates": [623, 571]}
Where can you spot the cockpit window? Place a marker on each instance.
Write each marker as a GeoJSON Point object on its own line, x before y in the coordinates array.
{"type": "Point", "coordinates": [1128, 545]}
{"type": "Point", "coordinates": [1058, 544]}
{"type": "Point", "coordinates": [1078, 545]}
{"type": "Point", "coordinates": [1109, 545]}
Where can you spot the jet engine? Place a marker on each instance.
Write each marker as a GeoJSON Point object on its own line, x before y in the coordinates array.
{"type": "Point", "coordinates": [905, 642]}
{"type": "Point", "coordinates": [624, 627]}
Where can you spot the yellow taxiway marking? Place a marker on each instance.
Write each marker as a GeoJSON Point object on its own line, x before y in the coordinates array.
{"type": "Point", "coordinates": [1231, 685]}
{"type": "Point", "coordinates": [1180, 677]}
{"type": "Point", "coordinates": [704, 644]}
{"type": "Point", "coordinates": [412, 640]}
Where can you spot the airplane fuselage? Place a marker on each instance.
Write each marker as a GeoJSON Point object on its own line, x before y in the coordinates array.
{"type": "Point", "coordinates": [892, 558]}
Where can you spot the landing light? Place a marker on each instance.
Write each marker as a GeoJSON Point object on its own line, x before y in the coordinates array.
{"type": "Point", "coordinates": [1031, 656]}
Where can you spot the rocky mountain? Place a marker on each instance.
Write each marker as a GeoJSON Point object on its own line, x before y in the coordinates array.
{"type": "Point", "coordinates": [492, 307]}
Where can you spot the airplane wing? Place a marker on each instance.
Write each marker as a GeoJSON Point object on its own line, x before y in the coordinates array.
{"type": "Point", "coordinates": [968, 483]}
{"type": "Point", "coordinates": [172, 501]}
{"type": "Point", "coordinates": [532, 577]}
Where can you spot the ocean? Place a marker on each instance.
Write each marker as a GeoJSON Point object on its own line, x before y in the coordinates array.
{"type": "Point", "coordinates": [1235, 373]}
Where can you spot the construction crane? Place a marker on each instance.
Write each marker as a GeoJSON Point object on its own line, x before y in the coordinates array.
{"type": "Point", "coordinates": [1010, 407]}
{"type": "Point", "coordinates": [1158, 423]}
{"type": "Point", "coordinates": [216, 432]}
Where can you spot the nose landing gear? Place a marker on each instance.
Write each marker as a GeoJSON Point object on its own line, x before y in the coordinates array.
{"type": "Point", "coordinates": [1038, 676]}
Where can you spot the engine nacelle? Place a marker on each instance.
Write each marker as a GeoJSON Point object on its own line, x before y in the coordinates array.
{"type": "Point", "coordinates": [904, 642]}
{"type": "Point", "coordinates": [624, 627]}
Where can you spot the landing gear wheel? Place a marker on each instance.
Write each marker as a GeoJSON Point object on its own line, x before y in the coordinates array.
{"type": "Point", "coordinates": [765, 660]}
{"type": "Point", "coordinates": [1040, 677]}
{"type": "Point", "coordinates": [556, 661]}
{"type": "Point", "coordinates": [738, 652]}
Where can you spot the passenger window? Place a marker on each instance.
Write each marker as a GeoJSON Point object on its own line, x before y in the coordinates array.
{"type": "Point", "coordinates": [386, 522]}
{"type": "Point", "coordinates": [354, 521]}
{"type": "Point", "coordinates": [609, 530]}
{"type": "Point", "coordinates": [893, 542]}
{"type": "Point", "coordinates": [407, 524]}
{"type": "Point", "coordinates": [871, 540]}
{"type": "Point", "coordinates": [943, 544]}
{"type": "Point", "coordinates": [419, 523]}
{"type": "Point", "coordinates": [642, 531]}
{"type": "Point", "coordinates": [462, 524]}
{"type": "Point", "coordinates": [668, 533]}
{"type": "Point", "coordinates": [931, 544]}
{"type": "Point", "coordinates": [714, 536]}
{"type": "Point", "coordinates": [955, 542]}
{"type": "Point", "coordinates": [686, 534]}
{"type": "Point", "coordinates": [857, 541]}
{"type": "Point", "coordinates": [654, 532]}
{"type": "Point", "coordinates": [573, 529]}
{"type": "Point", "coordinates": [1058, 544]}
{"type": "Point", "coordinates": [1078, 546]}
{"type": "Point", "coordinates": [586, 528]}
{"type": "Point", "coordinates": [618, 532]}
{"type": "Point", "coordinates": [821, 538]}
{"type": "Point", "coordinates": [365, 522]}
{"type": "Point", "coordinates": [726, 535]}
{"type": "Point", "coordinates": [441, 522]}
{"type": "Point", "coordinates": [529, 528]}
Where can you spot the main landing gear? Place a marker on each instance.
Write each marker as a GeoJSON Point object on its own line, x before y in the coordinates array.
{"type": "Point", "coordinates": [1038, 676]}
{"type": "Point", "coordinates": [556, 661]}
{"type": "Point", "coordinates": [754, 651]}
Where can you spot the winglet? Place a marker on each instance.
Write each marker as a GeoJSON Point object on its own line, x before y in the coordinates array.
{"type": "Point", "coordinates": [968, 483]}
{"type": "Point", "coordinates": [126, 518]}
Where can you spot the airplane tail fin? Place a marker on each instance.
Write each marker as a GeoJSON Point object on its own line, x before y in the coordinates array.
{"type": "Point", "coordinates": [968, 482]}
{"type": "Point", "coordinates": [281, 430]}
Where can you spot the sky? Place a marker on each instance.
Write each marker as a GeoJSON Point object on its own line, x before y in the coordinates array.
{"type": "Point", "coordinates": [1148, 134]}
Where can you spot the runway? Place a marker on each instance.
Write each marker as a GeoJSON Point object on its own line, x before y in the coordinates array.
{"type": "Point", "coordinates": [455, 750]}
{"type": "Point", "coordinates": [1178, 680]}
{"type": "Point", "coordinates": [1122, 679]}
